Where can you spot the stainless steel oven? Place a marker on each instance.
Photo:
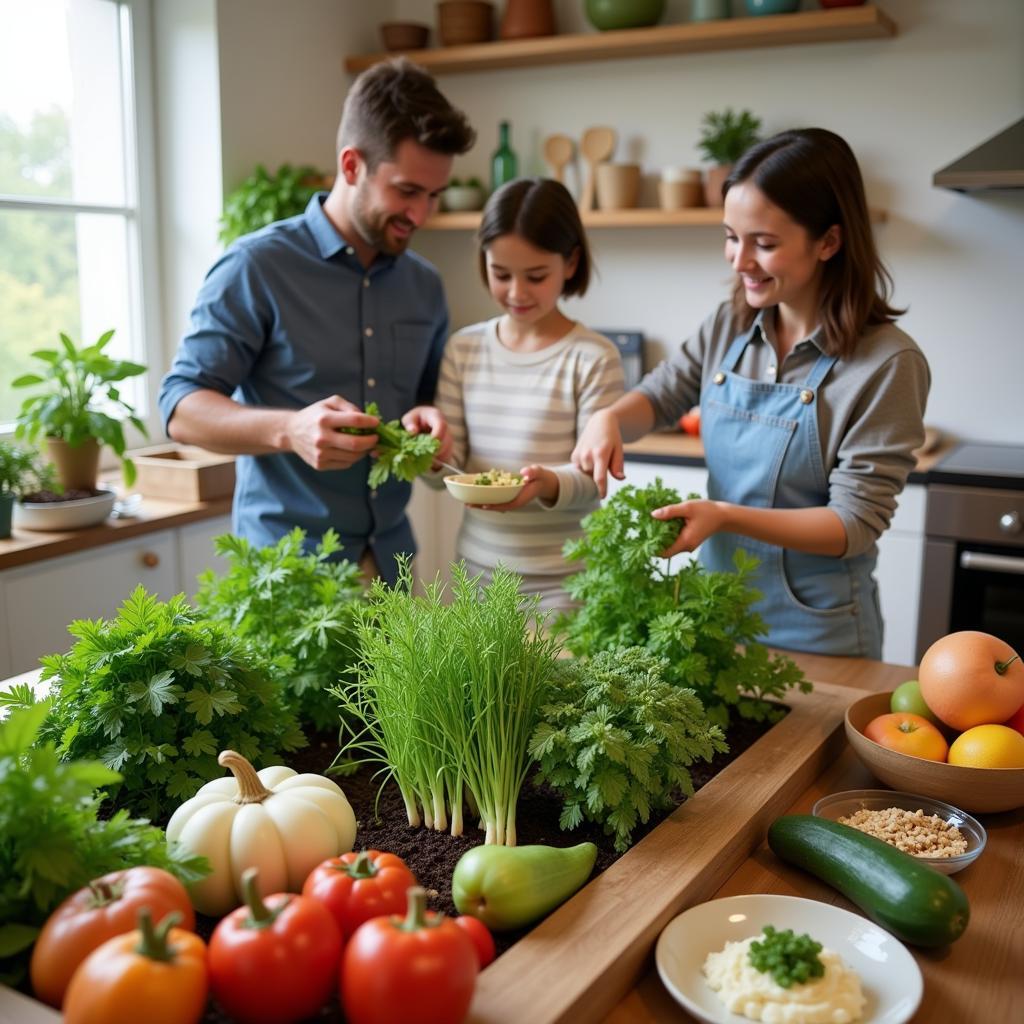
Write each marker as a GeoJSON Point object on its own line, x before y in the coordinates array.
{"type": "Point", "coordinates": [973, 574]}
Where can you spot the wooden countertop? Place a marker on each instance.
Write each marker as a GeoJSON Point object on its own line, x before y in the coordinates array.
{"type": "Point", "coordinates": [25, 546]}
{"type": "Point", "coordinates": [977, 978]}
{"type": "Point", "coordinates": [675, 447]}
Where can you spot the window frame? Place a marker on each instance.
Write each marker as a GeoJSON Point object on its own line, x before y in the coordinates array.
{"type": "Point", "coordinates": [140, 209]}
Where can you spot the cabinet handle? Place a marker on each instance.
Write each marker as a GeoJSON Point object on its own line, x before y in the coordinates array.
{"type": "Point", "coordinates": [150, 559]}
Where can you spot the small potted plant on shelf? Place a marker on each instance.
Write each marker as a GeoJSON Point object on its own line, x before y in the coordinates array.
{"type": "Point", "coordinates": [264, 198]}
{"type": "Point", "coordinates": [725, 137]}
{"type": "Point", "coordinates": [459, 195]}
{"type": "Point", "coordinates": [75, 410]}
{"type": "Point", "coordinates": [22, 471]}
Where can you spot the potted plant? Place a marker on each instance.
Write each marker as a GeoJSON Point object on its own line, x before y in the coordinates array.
{"type": "Point", "coordinates": [725, 137]}
{"type": "Point", "coordinates": [459, 195]}
{"type": "Point", "coordinates": [73, 411]}
{"type": "Point", "coordinates": [264, 198]}
{"type": "Point", "coordinates": [22, 471]}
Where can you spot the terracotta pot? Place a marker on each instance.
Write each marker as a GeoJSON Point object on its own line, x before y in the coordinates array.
{"type": "Point", "coordinates": [461, 22]}
{"type": "Point", "coordinates": [78, 468]}
{"type": "Point", "coordinates": [404, 35]}
{"type": "Point", "coordinates": [714, 178]}
{"type": "Point", "coordinates": [618, 186]}
{"type": "Point", "coordinates": [525, 19]}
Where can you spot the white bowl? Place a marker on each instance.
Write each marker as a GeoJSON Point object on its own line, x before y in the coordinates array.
{"type": "Point", "coordinates": [459, 198]}
{"type": "Point", "coordinates": [889, 975]}
{"type": "Point", "coordinates": [461, 487]}
{"type": "Point", "coordinates": [64, 515]}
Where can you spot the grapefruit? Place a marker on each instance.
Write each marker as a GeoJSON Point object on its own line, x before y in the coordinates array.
{"type": "Point", "coordinates": [971, 678]}
{"type": "Point", "coordinates": [988, 746]}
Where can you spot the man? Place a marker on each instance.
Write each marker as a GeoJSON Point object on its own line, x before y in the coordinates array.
{"type": "Point", "coordinates": [299, 325]}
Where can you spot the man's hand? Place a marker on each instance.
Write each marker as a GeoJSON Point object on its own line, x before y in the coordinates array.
{"type": "Point", "coordinates": [599, 450]}
{"type": "Point", "coordinates": [540, 483]}
{"type": "Point", "coordinates": [427, 419]}
{"type": "Point", "coordinates": [703, 518]}
{"type": "Point", "coordinates": [314, 434]}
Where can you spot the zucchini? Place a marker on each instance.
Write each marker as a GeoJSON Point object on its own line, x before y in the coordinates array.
{"type": "Point", "coordinates": [904, 896]}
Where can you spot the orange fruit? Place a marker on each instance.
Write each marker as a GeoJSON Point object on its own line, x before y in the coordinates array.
{"type": "Point", "coordinates": [971, 678]}
{"type": "Point", "coordinates": [988, 746]}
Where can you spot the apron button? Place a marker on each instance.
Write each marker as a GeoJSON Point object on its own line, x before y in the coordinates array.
{"type": "Point", "coordinates": [807, 396]}
{"type": "Point", "coordinates": [719, 377]}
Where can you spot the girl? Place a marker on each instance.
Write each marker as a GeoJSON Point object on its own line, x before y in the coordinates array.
{"type": "Point", "coordinates": [517, 389]}
{"type": "Point", "coordinates": [812, 400]}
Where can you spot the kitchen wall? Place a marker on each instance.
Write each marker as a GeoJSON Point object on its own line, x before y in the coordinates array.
{"type": "Point", "coordinates": [951, 78]}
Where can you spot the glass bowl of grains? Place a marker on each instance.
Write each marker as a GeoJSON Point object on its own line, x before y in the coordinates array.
{"type": "Point", "coordinates": [936, 833]}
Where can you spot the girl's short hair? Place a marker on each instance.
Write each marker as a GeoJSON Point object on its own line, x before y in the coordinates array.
{"type": "Point", "coordinates": [813, 176]}
{"type": "Point", "coordinates": [542, 211]}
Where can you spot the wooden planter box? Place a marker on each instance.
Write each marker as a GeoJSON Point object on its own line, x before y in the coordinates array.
{"type": "Point", "coordinates": [183, 473]}
{"type": "Point", "coordinates": [579, 963]}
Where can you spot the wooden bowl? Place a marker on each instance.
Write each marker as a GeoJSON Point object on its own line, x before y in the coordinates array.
{"type": "Point", "coordinates": [404, 35]}
{"type": "Point", "coordinates": [978, 790]}
{"type": "Point", "coordinates": [463, 22]}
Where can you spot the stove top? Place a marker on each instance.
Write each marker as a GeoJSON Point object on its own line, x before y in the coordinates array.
{"type": "Point", "coordinates": [981, 465]}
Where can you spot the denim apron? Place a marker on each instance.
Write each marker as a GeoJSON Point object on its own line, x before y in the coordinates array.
{"type": "Point", "coordinates": [763, 450]}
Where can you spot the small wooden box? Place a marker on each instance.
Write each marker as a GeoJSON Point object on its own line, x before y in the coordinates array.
{"type": "Point", "coordinates": [183, 473]}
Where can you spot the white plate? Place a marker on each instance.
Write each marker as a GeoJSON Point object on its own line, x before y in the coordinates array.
{"type": "Point", "coordinates": [889, 975]}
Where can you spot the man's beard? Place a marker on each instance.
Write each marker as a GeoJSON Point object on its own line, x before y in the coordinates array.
{"type": "Point", "coordinates": [372, 226]}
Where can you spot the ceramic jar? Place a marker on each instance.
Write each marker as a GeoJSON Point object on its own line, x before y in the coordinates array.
{"type": "Point", "coordinates": [462, 22]}
{"type": "Point", "coordinates": [526, 19]}
{"type": "Point", "coordinates": [618, 186]}
{"type": "Point", "coordinates": [614, 14]}
{"type": "Point", "coordinates": [680, 188]}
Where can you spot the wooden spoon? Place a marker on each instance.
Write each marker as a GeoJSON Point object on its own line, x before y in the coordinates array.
{"type": "Point", "coordinates": [558, 151]}
{"type": "Point", "coordinates": [597, 145]}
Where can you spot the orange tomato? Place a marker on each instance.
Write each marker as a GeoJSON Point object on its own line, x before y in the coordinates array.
{"type": "Point", "coordinates": [155, 975]}
{"type": "Point", "coordinates": [971, 678]}
{"type": "Point", "coordinates": [106, 907]}
{"type": "Point", "coordinates": [908, 733]}
{"type": "Point", "coordinates": [988, 746]}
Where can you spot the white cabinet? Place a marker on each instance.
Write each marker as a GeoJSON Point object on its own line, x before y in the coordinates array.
{"type": "Point", "coordinates": [41, 599]}
{"type": "Point", "coordinates": [195, 551]}
{"type": "Point", "coordinates": [900, 557]}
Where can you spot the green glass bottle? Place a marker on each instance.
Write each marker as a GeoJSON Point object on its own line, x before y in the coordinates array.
{"type": "Point", "coordinates": [504, 165]}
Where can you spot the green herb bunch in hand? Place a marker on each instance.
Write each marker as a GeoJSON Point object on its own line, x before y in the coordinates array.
{"type": "Point", "coordinates": [299, 608]}
{"type": "Point", "coordinates": [156, 694]}
{"type": "Point", "coordinates": [53, 840]}
{"type": "Point", "coordinates": [617, 738]}
{"type": "Point", "coordinates": [701, 621]}
{"type": "Point", "coordinates": [400, 454]}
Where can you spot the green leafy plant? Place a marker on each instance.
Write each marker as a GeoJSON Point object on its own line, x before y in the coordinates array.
{"type": "Point", "coordinates": [399, 454]}
{"type": "Point", "coordinates": [264, 198]}
{"type": "Point", "coordinates": [617, 738]}
{"type": "Point", "coordinates": [700, 621]}
{"type": "Point", "coordinates": [23, 471]}
{"type": "Point", "coordinates": [79, 396]}
{"type": "Point", "coordinates": [448, 694]}
{"type": "Point", "coordinates": [727, 135]}
{"type": "Point", "coordinates": [53, 840]}
{"type": "Point", "coordinates": [298, 608]}
{"type": "Point", "coordinates": [156, 694]}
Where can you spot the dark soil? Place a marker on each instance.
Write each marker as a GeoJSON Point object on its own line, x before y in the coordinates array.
{"type": "Point", "coordinates": [432, 856]}
{"type": "Point", "coordinates": [71, 494]}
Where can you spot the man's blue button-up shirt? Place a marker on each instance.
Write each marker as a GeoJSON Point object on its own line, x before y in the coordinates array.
{"type": "Point", "coordinates": [288, 316]}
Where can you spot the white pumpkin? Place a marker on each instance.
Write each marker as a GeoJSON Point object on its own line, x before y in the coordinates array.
{"type": "Point", "coordinates": [275, 820]}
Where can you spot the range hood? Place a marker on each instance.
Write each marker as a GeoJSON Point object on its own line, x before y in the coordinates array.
{"type": "Point", "coordinates": [995, 164]}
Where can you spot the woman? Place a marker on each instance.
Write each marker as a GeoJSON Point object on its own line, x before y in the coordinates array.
{"type": "Point", "coordinates": [812, 400]}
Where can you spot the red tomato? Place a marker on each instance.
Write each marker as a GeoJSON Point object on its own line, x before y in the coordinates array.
{"type": "Point", "coordinates": [155, 974]}
{"type": "Point", "coordinates": [357, 886]}
{"type": "Point", "coordinates": [908, 733]}
{"type": "Point", "coordinates": [689, 422]}
{"type": "Point", "coordinates": [481, 936]}
{"type": "Point", "coordinates": [421, 968]}
{"type": "Point", "coordinates": [274, 959]}
{"type": "Point", "coordinates": [106, 907]}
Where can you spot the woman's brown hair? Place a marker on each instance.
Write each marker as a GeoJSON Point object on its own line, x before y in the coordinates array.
{"type": "Point", "coordinates": [543, 212]}
{"type": "Point", "coordinates": [813, 176]}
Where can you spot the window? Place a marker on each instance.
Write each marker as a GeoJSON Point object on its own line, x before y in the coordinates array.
{"type": "Point", "coordinates": [76, 189]}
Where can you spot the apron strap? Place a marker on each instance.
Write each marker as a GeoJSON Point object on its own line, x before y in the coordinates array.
{"type": "Point", "coordinates": [735, 350]}
{"type": "Point", "coordinates": [822, 365]}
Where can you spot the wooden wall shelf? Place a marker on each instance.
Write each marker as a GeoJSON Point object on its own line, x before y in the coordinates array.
{"type": "Point", "coordinates": [825, 26]}
{"type": "Point", "coordinates": [643, 217]}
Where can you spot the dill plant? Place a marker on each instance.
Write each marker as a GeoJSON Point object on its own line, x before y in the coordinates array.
{"type": "Point", "coordinates": [448, 692]}
{"type": "Point", "coordinates": [702, 622]}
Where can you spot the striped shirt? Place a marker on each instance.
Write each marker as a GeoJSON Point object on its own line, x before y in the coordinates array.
{"type": "Point", "coordinates": [507, 410]}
